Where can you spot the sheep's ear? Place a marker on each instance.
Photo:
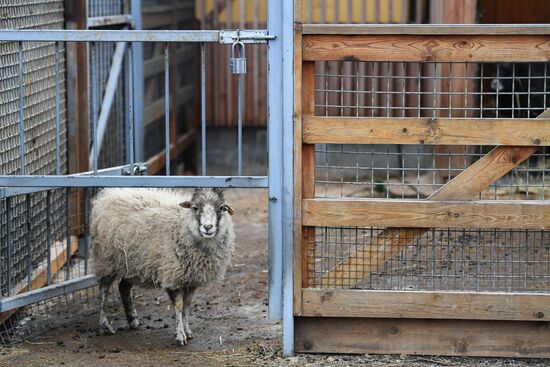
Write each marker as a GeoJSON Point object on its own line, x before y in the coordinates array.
{"type": "Point", "coordinates": [186, 205]}
{"type": "Point", "coordinates": [219, 191]}
{"type": "Point", "coordinates": [229, 209]}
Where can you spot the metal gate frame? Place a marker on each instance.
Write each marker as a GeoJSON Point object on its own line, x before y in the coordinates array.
{"type": "Point", "coordinates": [280, 147]}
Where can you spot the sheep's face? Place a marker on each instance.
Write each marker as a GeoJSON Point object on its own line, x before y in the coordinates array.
{"type": "Point", "coordinates": [208, 206]}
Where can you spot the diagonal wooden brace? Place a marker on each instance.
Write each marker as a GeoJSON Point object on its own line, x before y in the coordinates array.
{"type": "Point", "coordinates": [469, 183]}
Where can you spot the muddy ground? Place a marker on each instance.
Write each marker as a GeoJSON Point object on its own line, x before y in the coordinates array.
{"type": "Point", "coordinates": [229, 321]}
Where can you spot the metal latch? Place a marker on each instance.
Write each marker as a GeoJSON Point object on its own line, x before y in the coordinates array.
{"type": "Point", "coordinates": [139, 170]}
{"type": "Point", "coordinates": [229, 36]}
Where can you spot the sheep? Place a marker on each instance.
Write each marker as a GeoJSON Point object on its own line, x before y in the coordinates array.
{"type": "Point", "coordinates": [159, 238]}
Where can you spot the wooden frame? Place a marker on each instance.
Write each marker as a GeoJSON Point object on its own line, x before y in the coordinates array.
{"type": "Point", "coordinates": [344, 320]}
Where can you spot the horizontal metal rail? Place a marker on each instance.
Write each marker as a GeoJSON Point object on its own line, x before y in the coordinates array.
{"type": "Point", "coordinates": [111, 171]}
{"type": "Point", "coordinates": [48, 292]}
{"type": "Point", "coordinates": [429, 30]}
{"type": "Point", "coordinates": [221, 36]}
{"type": "Point", "coordinates": [133, 181]}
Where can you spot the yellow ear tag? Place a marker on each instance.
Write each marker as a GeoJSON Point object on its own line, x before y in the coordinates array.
{"type": "Point", "coordinates": [229, 209]}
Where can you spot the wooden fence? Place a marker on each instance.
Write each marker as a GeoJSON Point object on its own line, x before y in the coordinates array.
{"type": "Point", "coordinates": [443, 273]}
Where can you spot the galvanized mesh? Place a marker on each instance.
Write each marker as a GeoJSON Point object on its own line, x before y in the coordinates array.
{"type": "Point", "coordinates": [29, 238]}
{"type": "Point", "coordinates": [454, 259]}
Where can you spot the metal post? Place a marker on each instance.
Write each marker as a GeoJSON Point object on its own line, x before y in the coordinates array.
{"type": "Point", "coordinates": [281, 132]}
{"type": "Point", "coordinates": [21, 110]}
{"type": "Point", "coordinates": [203, 110]}
{"type": "Point", "coordinates": [57, 112]}
{"type": "Point", "coordinates": [137, 60]}
{"type": "Point", "coordinates": [167, 105]}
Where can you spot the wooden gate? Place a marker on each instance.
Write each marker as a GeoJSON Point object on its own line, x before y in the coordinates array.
{"type": "Point", "coordinates": [403, 244]}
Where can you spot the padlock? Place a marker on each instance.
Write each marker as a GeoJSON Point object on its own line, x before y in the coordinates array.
{"type": "Point", "coordinates": [238, 64]}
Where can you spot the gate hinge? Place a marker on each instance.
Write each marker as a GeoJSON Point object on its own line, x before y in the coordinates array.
{"type": "Point", "coordinates": [245, 36]}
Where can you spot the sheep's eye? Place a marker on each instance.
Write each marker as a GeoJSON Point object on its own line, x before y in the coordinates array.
{"type": "Point", "coordinates": [221, 208]}
{"type": "Point", "coordinates": [195, 208]}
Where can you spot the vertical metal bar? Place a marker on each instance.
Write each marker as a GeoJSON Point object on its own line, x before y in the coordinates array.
{"type": "Point", "coordinates": [240, 125]}
{"type": "Point", "coordinates": [28, 242]}
{"type": "Point", "coordinates": [57, 119]}
{"type": "Point", "coordinates": [49, 236]}
{"type": "Point", "coordinates": [9, 256]}
{"type": "Point", "coordinates": [286, 30]}
{"type": "Point", "coordinates": [203, 109]}
{"type": "Point", "coordinates": [93, 91]}
{"type": "Point", "coordinates": [68, 233]}
{"type": "Point", "coordinates": [137, 74]}
{"type": "Point", "coordinates": [87, 229]}
{"type": "Point", "coordinates": [21, 110]}
{"type": "Point", "coordinates": [131, 100]}
{"type": "Point", "coordinates": [167, 105]}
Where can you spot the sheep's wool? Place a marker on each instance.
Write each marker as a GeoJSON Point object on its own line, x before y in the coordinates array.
{"type": "Point", "coordinates": [144, 235]}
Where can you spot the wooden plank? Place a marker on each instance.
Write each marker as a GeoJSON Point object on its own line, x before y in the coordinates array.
{"type": "Point", "coordinates": [449, 48]}
{"type": "Point", "coordinates": [308, 169]}
{"type": "Point", "coordinates": [298, 234]}
{"type": "Point", "coordinates": [40, 276]}
{"type": "Point", "coordinates": [525, 214]}
{"type": "Point", "coordinates": [411, 130]}
{"type": "Point", "coordinates": [519, 339]}
{"type": "Point", "coordinates": [426, 305]}
{"type": "Point", "coordinates": [158, 161]}
{"type": "Point", "coordinates": [470, 182]}
{"type": "Point", "coordinates": [422, 29]}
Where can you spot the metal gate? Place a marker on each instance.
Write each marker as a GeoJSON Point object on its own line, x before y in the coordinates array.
{"type": "Point", "coordinates": [77, 188]}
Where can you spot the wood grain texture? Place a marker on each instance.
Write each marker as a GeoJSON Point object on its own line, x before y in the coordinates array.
{"type": "Point", "coordinates": [472, 48]}
{"type": "Point", "coordinates": [429, 30]}
{"type": "Point", "coordinates": [158, 161]}
{"type": "Point", "coordinates": [526, 214]}
{"type": "Point", "coordinates": [520, 339]}
{"type": "Point", "coordinates": [298, 234]}
{"type": "Point", "coordinates": [308, 169]}
{"type": "Point", "coordinates": [426, 305]}
{"type": "Point", "coordinates": [409, 130]}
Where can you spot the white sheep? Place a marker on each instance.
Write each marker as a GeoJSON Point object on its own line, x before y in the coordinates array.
{"type": "Point", "coordinates": [160, 238]}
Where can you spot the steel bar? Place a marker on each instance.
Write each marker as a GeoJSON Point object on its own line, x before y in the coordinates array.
{"type": "Point", "coordinates": [21, 110]}
{"type": "Point", "coordinates": [167, 106]}
{"type": "Point", "coordinates": [203, 109]}
{"type": "Point", "coordinates": [48, 292]}
{"type": "Point", "coordinates": [68, 264]}
{"type": "Point", "coordinates": [49, 230]}
{"type": "Point", "coordinates": [137, 84]}
{"type": "Point", "coordinates": [136, 181]}
{"type": "Point", "coordinates": [240, 125]}
{"type": "Point", "coordinates": [86, 229]}
{"type": "Point", "coordinates": [130, 129]}
{"type": "Point", "coordinates": [9, 255]}
{"type": "Point", "coordinates": [108, 97]}
{"type": "Point", "coordinates": [28, 241]}
{"type": "Point", "coordinates": [57, 112]}
{"type": "Point", "coordinates": [94, 91]}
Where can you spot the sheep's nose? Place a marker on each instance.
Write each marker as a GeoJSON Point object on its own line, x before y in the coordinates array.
{"type": "Point", "coordinates": [208, 226]}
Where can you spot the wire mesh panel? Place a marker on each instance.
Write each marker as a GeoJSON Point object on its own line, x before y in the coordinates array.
{"type": "Point", "coordinates": [35, 97]}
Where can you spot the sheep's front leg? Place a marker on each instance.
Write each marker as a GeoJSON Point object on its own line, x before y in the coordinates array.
{"type": "Point", "coordinates": [125, 289]}
{"type": "Point", "coordinates": [187, 298]}
{"type": "Point", "coordinates": [104, 285]}
{"type": "Point", "coordinates": [176, 296]}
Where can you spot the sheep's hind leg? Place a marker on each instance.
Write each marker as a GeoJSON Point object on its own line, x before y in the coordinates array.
{"type": "Point", "coordinates": [125, 289]}
{"type": "Point", "coordinates": [187, 298]}
{"type": "Point", "coordinates": [104, 285]}
{"type": "Point", "coordinates": [176, 296]}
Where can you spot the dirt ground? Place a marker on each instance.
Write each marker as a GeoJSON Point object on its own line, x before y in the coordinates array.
{"type": "Point", "coordinates": [229, 321]}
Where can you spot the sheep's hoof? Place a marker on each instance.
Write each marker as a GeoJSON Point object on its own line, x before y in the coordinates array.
{"type": "Point", "coordinates": [106, 328]}
{"type": "Point", "coordinates": [134, 324]}
{"type": "Point", "coordinates": [189, 335]}
{"type": "Point", "coordinates": [181, 339]}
